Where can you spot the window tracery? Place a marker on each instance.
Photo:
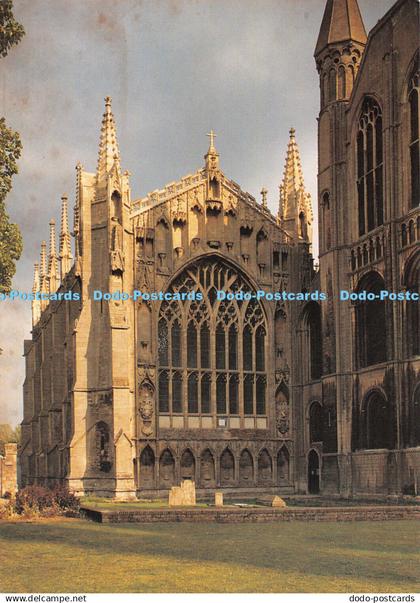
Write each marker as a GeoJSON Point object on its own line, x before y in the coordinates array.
{"type": "Point", "coordinates": [370, 167]}
{"type": "Point", "coordinates": [213, 351]}
{"type": "Point", "coordinates": [413, 99]}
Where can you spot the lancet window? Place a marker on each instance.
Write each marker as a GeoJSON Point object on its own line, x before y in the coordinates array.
{"type": "Point", "coordinates": [370, 167]}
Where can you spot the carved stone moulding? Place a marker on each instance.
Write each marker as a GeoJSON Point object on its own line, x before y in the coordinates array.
{"type": "Point", "coordinates": [146, 406]}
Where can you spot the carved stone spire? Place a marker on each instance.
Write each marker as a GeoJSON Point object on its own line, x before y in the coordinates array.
{"type": "Point", "coordinates": [36, 303]}
{"type": "Point", "coordinates": [295, 203]}
{"type": "Point", "coordinates": [264, 193]}
{"type": "Point", "coordinates": [66, 257]}
{"type": "Point", "coordinates": [43, 274]}
{"type": "Point", "coordinates": [339, 50]}
{"type": "Point", "coordinates": [109, 154]}
{"type": "Point", "coordinates": [76, 212]}
{"type": "Point", "coordinates": [212, 156]}
{"type": "Point", "coordinates": [52, 260]}
{"type": "Point", "coordinates": [342, 22]}
{"type": "Point", "coordinates": [292, 177]}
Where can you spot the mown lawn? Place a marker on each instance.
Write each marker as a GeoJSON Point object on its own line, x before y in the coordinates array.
{"type": "Point", "coordinates": [79, 556]}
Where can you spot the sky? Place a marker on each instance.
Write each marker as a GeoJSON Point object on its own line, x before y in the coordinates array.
{"type": "Point", "coordinates": [175, 69]}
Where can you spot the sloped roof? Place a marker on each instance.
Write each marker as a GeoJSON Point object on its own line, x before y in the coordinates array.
{"type": "Point", "coordinates": [342, 21]}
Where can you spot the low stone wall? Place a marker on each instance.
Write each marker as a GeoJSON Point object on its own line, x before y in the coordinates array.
{"type": "Point", "coordinates": [253, 515]}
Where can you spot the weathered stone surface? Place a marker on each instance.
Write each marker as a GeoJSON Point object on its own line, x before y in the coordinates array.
{"type": "Point", "coordinates": [183, 495]}
{"type": "Point", "coordinates": [255, 515]}
{"type": "Point", "coordinates": [8, 470]}
{"type": "Point", "coordinates": [218, 499]}
{"type": "Point", "coordinates": [271, 501]}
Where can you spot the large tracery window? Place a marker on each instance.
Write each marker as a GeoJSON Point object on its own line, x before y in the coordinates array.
{"type": "Point", "coordinates": [212, 350]}
{"type": "Point", "coordinates": [370, 167]}
{"type": "Point", "coordinates": [413, 99]}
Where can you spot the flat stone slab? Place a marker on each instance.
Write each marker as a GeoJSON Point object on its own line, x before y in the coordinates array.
{"type": "Point", "coordinates": [253, 515]}
{"type": "Point", "coordinates": [271, 500]}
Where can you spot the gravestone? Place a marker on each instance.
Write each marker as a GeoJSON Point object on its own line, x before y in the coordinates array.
{"type": "Point", "coordinates": [218, 499]}
{"type": "Point", "coordinates": [183, 495]}
{"type": "Point", "coordinates": [271, 501]}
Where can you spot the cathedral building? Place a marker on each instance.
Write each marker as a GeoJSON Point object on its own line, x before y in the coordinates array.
{"type": "Point", "coordinates": [243, 392]}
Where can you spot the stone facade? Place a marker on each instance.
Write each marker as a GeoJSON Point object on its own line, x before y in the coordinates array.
{"type": "Point", "coordinates": [8, 470]}
{"type": "Point", "coordinates": [127, 398]}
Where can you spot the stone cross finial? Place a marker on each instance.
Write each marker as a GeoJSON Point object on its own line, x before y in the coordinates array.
{"type": "Point", "coordinates": [212, 136]}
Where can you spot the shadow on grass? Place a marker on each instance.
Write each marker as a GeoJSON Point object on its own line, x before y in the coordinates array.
{"type": "Point", "coordinates": [367, 550]}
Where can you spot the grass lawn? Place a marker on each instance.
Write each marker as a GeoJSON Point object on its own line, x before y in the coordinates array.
{"type": "Point", "coordinates": [80, 556]}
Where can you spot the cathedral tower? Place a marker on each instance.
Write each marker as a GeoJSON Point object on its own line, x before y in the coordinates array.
{"type": "Point", "coordinates": [338, 55]}
{"type": "Point", "coordinates": [104, 260]}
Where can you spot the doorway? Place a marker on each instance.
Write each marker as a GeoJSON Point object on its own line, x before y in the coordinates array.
{"type": "Point", "coordinates": [313, 472]}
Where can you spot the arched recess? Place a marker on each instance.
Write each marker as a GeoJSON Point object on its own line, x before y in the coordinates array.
{"type": "Point", "coordinates": [312, 340]}
{"type": "Point", "coordinates": [326, 221]}
{"type": "Point", "coordinates": [263, 250]}
{"type": "Point", "coordinates": [194, 224]}
{"type": "Point", "coordinates": [103, 449]}
{"type": "Point", "coordinates": [412, 283]}
{"type": "Point", "coordinates": [414, 419]}
{"type": "Point", "coordinates": [144, 332]}
{"type": "Point", "coordinates": [162, 243]}
{"type": "Point", "coordinates": [265, 468]}
{"type": "Point", "coordinates": [207, 470]}
{"type": "Point", "coordinates": [303, 226]}
{"type": "Point", "coordinates": [315, 422]}
{"type": "Point", "coordinates": [281, 334]}
{"type": "Point", "coordinates": [227, 468]}
{"type": "Point", "coordinates": [166, 469]}
{"type": "Point", "coordinates": [283, 467]}
{"type": "Point", "coordinates": [282, 409]}
{"type": "Point", "coordinates": [116, 207]}
{"type": "Point", "coordinates": [188, 465]}
{"type": "Point", "coordinates": [147, 468]}
{"type": "Point", "coordinates": [371, 323]}
{"type": "Point", "coordinates": [314, 472]}
{"type": "Point", "coordinates": [377, 422]}
{"type": "Point", "coordinates": [246, 468]}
